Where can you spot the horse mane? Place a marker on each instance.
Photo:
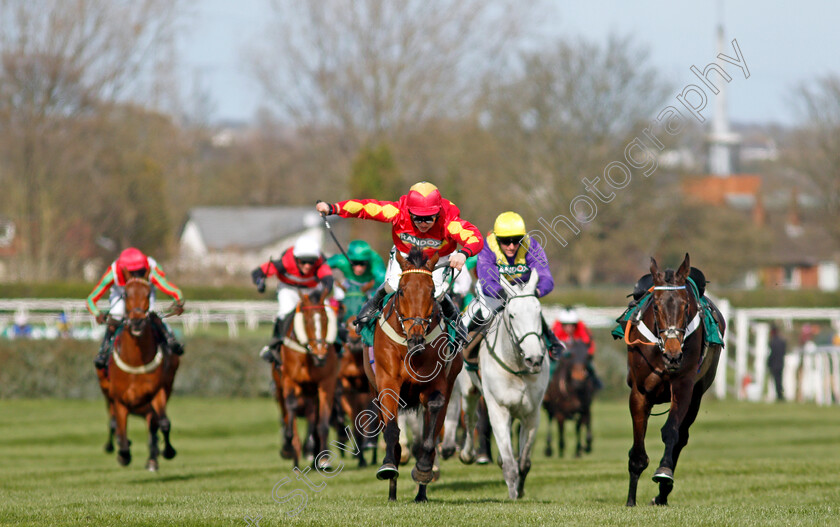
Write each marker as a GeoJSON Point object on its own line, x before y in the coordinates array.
{"type": "Point", "coordinates": [416, 258]}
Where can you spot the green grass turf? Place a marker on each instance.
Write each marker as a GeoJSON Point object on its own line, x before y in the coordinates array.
{"type": "Point", "coordinates": [746, 464]}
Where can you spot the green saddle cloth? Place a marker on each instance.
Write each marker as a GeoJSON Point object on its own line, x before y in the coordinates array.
{"type": "Point", "coordinates": [711, 329]}
{"type": "Point", "coordinates": [369, 330]}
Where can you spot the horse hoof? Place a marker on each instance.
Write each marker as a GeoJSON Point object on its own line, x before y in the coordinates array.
{"type": "Point", "coordinates": [108, 448]}
{"type": "Point", "coordinates": [387, 471]}
{"type": "Point", "coordinates": [548, 452]}
{"type": "Point", "coordinates": [169, 453]}
{"type": "Point", "coordinates": [655, 503]}
{"type": "Point", "coordinates": [447, 452]}
{"type": "Point", "coordinates": [435, 474]}
{"type": "Point", "coordinates": [664, 475]}
{"type": "Point", "coordinates": [124, 458]}
{"type": "Point", "coordinates": [467, 459]}
{"type": "Point", "coordinates": [152, 465]}
{"type": "Point", "coordinates": [405, 455]}
{"type": "Point", "coordinates": [287, 452]}
{"type": "Point", "coordinates": [324, 464]}
{"type": "Point", "coordinates": [422, 477]}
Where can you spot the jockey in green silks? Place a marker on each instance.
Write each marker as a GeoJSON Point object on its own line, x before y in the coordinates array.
{"type": "Point", "coordinates": [363, 274]}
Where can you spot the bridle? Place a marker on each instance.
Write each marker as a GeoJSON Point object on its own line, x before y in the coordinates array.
{"type": "Point", "coordinates": [516, 341]}
{"type": "Point", "coordinates": [319, 340]}
{"type": "Point", "coordinates": [424, 322]}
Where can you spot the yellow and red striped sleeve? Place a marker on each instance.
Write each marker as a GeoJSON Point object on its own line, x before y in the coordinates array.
{"type": "Point", "coordinates": [466, 234]}
{"type": "Point", "coordinates": [367, 209]}
{"type": "Point", "coordinates": [101, 288]}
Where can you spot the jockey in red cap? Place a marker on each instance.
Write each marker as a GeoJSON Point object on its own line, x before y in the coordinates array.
{"type": "Point", "coordinates": [421, 219]}
{"type": "Point", "coordinates": [132, 263]}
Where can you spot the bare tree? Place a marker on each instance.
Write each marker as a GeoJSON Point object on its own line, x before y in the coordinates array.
{"type": "Point", "coordinates": [60, 61]}
{"type": "Point", "coordinates": [374, 66]}
{"type": "Point", "coordinates": [815, 156]}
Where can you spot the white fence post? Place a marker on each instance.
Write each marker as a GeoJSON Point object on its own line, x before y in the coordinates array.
{"type": "Point", "coordinates": [742, 343]}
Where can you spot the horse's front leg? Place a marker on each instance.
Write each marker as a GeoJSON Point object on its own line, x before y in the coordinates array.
{"type": "Point", "coordinates": [425, 470]}
{"type": "Point", "coordinates": [123, 444]}
{"type": "Point", "coordinates": [501, 422]}
{"type": "Point", "coordinates": [112, 427]}
{"type": "Point", "coordinates": [638, 459]}
{"type": "Point", "coordinates": [152, 424]}
{"type": "Point", "coordinates": [326, 396]}
{"type": "Point", "coordinates": [159, 406]}
{"type": "Point", "coordinates": [388, 398]}
{"type": "Point", "coordinates": [527, 437]}
{"type": "Point", "coordinates": [450, 426]}
{"type": "Point", "coordinates": [681, 396]}
{"type": "Point", "coordinates": [548, 439]}
{"type": "Point", "coordinates": [470, 400]}
{"type": "Point", "coordinates": [291, 447]}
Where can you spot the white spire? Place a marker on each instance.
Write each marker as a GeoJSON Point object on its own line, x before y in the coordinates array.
{"type": "Point", "coordinates": [721, 140]}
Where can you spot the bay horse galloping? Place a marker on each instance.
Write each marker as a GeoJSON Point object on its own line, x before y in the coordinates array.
{"type": "Point", "coordinates": [669, 361]}
{"type": "Point", "coordinates": [569, 395]}
{"type": "Point", "coordinates": [414, 367]}
{"type": "Point", "coordinates": [307, 378]}
{"type": "Point", "coordinates": [139, 378]}
{"type": "Point", "coordinates": [356, 391]}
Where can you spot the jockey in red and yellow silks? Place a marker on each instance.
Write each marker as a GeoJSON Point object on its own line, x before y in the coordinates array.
{"type": "Point", "coordinates": [132, 263]}
{"type": "Point", "coordinates": [302, 270]}
{"type": "Point", "coordinates": [421, 219]}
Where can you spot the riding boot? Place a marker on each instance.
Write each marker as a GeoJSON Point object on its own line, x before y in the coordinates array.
{"type": "Point", "coordinates": [373, 305]}
{"type": "Point", "coordinates": [555, 347]}
{"type": "Point", "coordinates": [101, 360]}
{"type": "Point", "coordinates": [476, 330]}
{"type": "Point", "coordinates": [453, 316]}
{"type": "Point", "coordinates": [165, 336]}
{"type": "Point", "coordinates": [271, 352]}
{"type": "Point", "coordinates": [590, 369]}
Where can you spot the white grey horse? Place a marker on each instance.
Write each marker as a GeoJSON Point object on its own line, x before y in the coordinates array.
{"type": "Point", "coordinates": [514, 376]}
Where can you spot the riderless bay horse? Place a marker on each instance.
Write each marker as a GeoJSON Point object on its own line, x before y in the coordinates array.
{"type": "Point", "coordinates": [307, 378]}
{"type": "Point", "coordinates": [668, 362]}
{"type": "Point", "coordinates": [413, 367]}
{"type": "Point", "coordinates": [569, 395]}
{"type": "Point", "coordinates": [514, 376]}
{"type": "Point", "coordinates": [138, 379]}
{"type": "Point", "coordinates": [356, 392]}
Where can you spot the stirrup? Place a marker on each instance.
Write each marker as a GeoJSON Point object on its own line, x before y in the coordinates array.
{"type": "Point", "coordinates": [101, 360]}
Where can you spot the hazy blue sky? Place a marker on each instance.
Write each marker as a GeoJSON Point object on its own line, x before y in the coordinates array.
{"type": "Point", "coordinates": [783, 43]}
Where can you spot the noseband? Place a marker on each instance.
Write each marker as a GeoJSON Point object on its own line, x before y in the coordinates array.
{"type": "Point", "coordinates": [424, 323]}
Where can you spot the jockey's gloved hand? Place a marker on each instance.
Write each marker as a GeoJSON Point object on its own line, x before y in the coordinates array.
{"type": "Point", "coordinates": [101, 317]}
{"type": "Point", "coordinates": [177, 307]}
{"type": "Point", "coordinates": [258, 277]}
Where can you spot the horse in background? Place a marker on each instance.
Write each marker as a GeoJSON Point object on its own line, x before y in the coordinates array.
{"type": "Point", "coordinates": [569, 395]}
{"type": "Point", "coordinates": [669, 361]}
{"type": "Point", "coordinates": [138, 379]}
{"type": "Point", "coordinates": [356, 392]}
{"type": "Point", "coordinates": [514, 376]}
{"type": "Point", "coordinates": [414, 367]}
{"type": "Point", "coordinates": [306, 381]}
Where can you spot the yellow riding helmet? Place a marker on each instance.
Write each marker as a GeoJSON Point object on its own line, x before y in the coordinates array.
{"type": "Point", "coordinates": [509, 224]}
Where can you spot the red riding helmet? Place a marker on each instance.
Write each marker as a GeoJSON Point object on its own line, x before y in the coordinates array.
{"type": "Point", "coordinates": [132, 259]}
{"type": "Point", "coordinates": [424, 199]}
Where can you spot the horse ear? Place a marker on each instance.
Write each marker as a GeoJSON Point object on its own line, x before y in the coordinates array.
{"type": "Point", "coordinates": [658, 278]}
{"type": "Point", "coordinates": [685, 268]}
{"type": "Point", "coordinates": [531, 286]}
{"type": "Point", "coordinates": [400, 260]}
{"type": "Point", "coordinates": [430, 265]}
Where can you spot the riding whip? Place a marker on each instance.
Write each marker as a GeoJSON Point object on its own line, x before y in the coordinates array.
{"type": "Point", "coordinates": [329, 229]}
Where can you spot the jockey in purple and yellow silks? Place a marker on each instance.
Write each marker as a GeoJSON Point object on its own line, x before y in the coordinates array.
{"type": "Point", "coordinates": [421, 219]}
{"type": "Point", "coordinates": [132, 263]}
{"type": "Point", "coordinates": [508, 254]}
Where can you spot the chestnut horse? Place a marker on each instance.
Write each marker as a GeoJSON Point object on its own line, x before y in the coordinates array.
{"type": "Point", "coordinates": [307, 378]}
{"type": "Point", "coordinates": [569, 395]}
{"type": "Point", "coordinates": [668, 361]}
{"type": "Point", "coordinates": [414, 367]}
{"type": "Point", "coordinates": [138, 379]}
{"type": "Point", "coordinates": [356, 391]}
